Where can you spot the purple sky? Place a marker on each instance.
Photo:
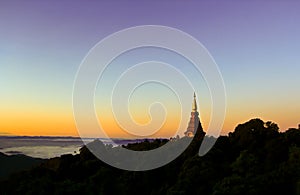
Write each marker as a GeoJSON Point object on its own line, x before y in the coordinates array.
{"type": "Point", "coordinates": [256, 45]}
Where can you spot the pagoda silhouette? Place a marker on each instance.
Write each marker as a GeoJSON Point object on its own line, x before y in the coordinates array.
{"type": "Point", "coordinates": [194, 122]}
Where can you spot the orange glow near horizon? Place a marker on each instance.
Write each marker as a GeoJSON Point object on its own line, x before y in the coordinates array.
{"type": "Point", "coordinates": [256, 52]}
{"type": "Point", "coordinates": [58, 121]}
{"type": "Point", "coordinates": [65, 126]}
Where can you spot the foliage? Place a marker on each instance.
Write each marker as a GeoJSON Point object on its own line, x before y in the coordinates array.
{"type": "Point", "coordinates": [254, 159]}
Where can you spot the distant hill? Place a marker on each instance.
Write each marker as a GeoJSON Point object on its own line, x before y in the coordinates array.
{"type": "Point", "coordinates": [253, 159]}
{"type": "Point", "coordinates": [15, 163]}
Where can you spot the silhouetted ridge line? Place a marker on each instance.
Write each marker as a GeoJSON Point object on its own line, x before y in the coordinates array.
{"type": "Point", "coordinates": [254, 159]}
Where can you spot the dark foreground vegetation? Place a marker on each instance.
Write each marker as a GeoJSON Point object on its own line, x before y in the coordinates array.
{"type": "Point", "coordinates": [254, 159]}
{"type": "Point", "coordinates": [16, 163]}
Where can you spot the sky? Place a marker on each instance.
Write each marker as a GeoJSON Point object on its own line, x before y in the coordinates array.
{"type": "Point", "coordinates": [42, 44]}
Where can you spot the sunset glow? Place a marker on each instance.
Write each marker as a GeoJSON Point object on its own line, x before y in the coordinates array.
{"type": "Point", "coordinates": [42, 46]}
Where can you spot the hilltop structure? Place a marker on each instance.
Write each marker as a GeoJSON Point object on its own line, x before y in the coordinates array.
{"type": "Point", "coordinates": [194, 120]}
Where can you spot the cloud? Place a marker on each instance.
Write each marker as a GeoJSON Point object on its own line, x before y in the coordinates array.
{"type": "Point", "coordinates": [4, 133]}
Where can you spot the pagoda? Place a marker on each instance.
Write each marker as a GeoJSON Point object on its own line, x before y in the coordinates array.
{"type": "Point", "coordinates": [194, 120]}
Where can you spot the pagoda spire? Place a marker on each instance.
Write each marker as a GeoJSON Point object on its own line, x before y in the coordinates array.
{"type": "Point", "coordinates": [194, 106]}
{"type": "Point", "coordinates": [194, 120]}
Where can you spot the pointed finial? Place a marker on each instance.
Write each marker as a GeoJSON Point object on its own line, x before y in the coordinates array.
{"type": "Point", "coordinates": [194, 106]}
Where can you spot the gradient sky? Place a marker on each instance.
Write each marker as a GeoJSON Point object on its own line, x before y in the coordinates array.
{"type": "Point", "coordinates": [255, 44]}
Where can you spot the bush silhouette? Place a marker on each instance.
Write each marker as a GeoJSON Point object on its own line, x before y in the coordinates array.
{"type": "Point", "coordinates": [254, 159]}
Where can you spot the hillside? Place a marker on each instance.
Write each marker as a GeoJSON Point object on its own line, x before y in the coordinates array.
{"type": "Point", "coordinates": [15, 163]}
{"type": "Point", "coordinates": [254, 159]}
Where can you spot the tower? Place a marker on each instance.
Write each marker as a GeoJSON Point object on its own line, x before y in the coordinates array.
{"type": "Point", "coordinates": [194, 120]}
